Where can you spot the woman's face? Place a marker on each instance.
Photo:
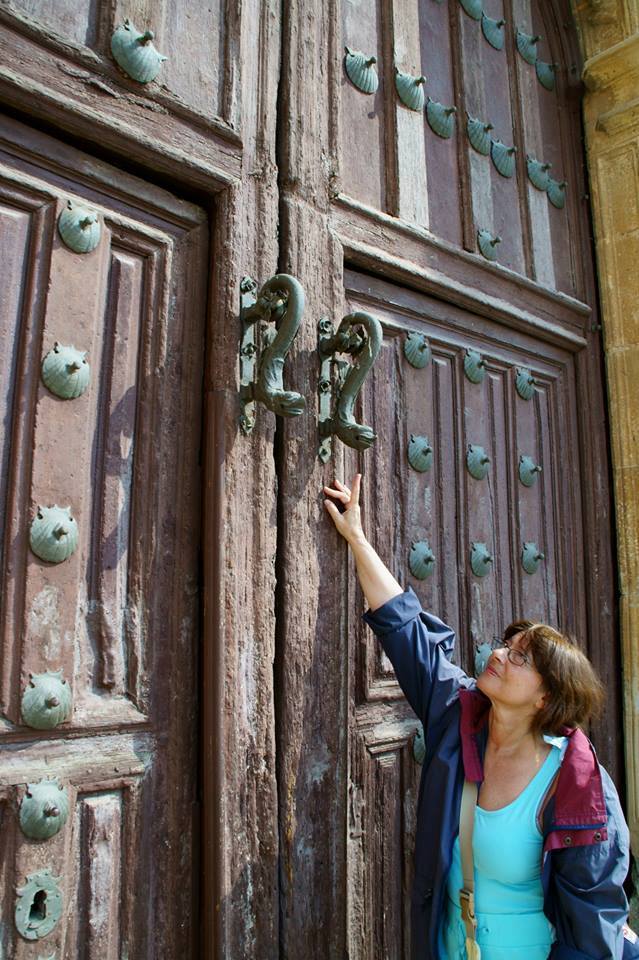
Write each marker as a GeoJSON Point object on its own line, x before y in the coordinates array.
{"type": "Point", "coordinates": [510, 684]}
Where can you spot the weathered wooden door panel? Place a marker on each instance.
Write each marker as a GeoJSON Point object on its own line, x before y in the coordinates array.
{"type": "Point", "coordinates": [119, 617]}
{"type": "Point", "coordinates": [450, 509]}
{"type": "Point", "coordinates": [392, 160]}
{"type": "Point", "coordinates": [198, 41]}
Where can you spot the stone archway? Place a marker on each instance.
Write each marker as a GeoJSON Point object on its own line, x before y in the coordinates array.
{"type": "Point", "coordinates": [609, 37]}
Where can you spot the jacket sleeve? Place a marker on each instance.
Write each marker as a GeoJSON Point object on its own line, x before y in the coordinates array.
{"type": "Point", "coordinates": [588, 895]}
{"type": "Point", "coordinates": [419, 646]}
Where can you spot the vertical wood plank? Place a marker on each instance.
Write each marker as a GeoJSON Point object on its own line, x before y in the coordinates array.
{"type": "Point", "coordinates": [412, 177]}
{"type": "Point", "coordinates": [101, 859]}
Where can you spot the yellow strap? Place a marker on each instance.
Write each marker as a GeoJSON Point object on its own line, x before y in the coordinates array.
{"type": "Point", "coordinates": [467, 892]}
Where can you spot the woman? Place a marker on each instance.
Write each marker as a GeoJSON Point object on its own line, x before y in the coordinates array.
{"type": "Point", "coordinates": [550, 846]}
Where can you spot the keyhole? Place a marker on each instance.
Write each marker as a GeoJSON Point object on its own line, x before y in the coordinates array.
{"type": "Point", "coordinates": [38, 910]}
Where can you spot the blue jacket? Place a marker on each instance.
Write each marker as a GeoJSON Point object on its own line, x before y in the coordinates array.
{"type": "Point", "coordinates": [586, 839]}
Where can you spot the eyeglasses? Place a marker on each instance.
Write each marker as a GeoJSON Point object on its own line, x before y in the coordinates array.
{"type": "Point", "coordinates": [518, 657]}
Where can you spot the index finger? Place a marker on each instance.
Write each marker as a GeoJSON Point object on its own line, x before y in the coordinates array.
{"type": "Point", "coordinates": [355, 488]}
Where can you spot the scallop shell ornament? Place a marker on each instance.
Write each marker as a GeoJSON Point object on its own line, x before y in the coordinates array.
{"type": "Point", "coordinates": [503, 157]}
{"type": "Point", "coordinates": [527, 45]}
{"type": "Point", "coordinates": [531, 557]}
{"type": "Point", "coordinates": [420, 453]}
{"type": "Point", "coordinates": [54, 533]}
{"type": "Point", "coordinates": [538, 173]}
{"type": "Point", "coordinates": [546, 73]}
{"type": "Point", "coordinates": [135, 53]}
{"type": "Point", "coordinates": [479, 135]}
{"type": "Point", "coordinates": [557, 192]}
{"type": "Point", "coordinates": [417, 349]}
{"type": "Point", "coordinates": [480, 559]}
{"type": "Point", "coordinates": [44, 810]}
{"type": "Point", "coordinates": [488, 244]}
{"type": "Point", "coordinates": [421, 560]}
{"type": "Point", "coordinates": [419, 745]}
{"type": "Point", "coordinates": [66, 371]}
{"type": "Point", "coordinates": [474, 365]}
{"type": "Point", "coordinates": [361, 71]}
{"type": "Point", "coordinates": [528, 470]}
{"type": "Point", "coordinates": [441, 119]}
{"type": "Point", "coordinates": [493, 31]}
{"type": "Point", "coordinates": [46, 702]}
{"type": "Point", "coordinates": [477, 461]}
{"type": "Point", "coordinates": [473, 8]}
{"type": "Point", "coordinates": [410, 90]}
{"type": "Point", "coordinates": [79, 228]}
{"type": "Point", "coordinates": [525, 383]}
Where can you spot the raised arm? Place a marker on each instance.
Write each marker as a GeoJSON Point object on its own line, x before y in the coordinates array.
{"type": "Point", "coordinates": [378, 583]}
{"type": "Point", "coordinates": [417, 643]}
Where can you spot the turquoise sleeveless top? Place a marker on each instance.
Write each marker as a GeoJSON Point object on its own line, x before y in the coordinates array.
{"type": "Point", "coordinates": [509, 901]}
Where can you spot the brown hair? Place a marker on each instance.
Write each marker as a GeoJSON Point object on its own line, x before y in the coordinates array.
{"type": "Point", "coordinates": [575, 692]}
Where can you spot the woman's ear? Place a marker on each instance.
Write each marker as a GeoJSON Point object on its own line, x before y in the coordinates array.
{"type": "Point", "coordinates": [542, 701]}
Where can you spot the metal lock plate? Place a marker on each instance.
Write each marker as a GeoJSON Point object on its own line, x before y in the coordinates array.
{"type": "Point", "coordinates": [39, 905]}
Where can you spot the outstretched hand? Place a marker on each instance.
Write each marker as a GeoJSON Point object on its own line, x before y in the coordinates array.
{"type": "Point", "coordinates": [348, 522]}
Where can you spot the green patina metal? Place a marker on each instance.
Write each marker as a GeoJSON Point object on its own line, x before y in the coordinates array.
{"type": "Point", "coordinates": [474, 365]}
{"type": "Point", "coordinates": [479, 134]}
{"type": "Point", "coordinates": [420, 453]}
{"type": "Point", "coordinates": [360, 69]}
{"type": "Point", "coordinates": [528, 470]}
{"type": "Point", "coordinates": [527, 45]}
{"type": "Point", "coordinates": [419, 745]}
{"type": "Point", "coordinates": [538, 172]}
{"type": "Point", "coordinates": [410, 90]}
{"type": "Point", "coordinates": [46, 702]}
{"type": "Point", "coordinates": [531, 557]}
{"type": "Point", "coordinates": [417, 349]}
{"type": "Point", "coordinates": [65, 371]}
{"type": "Point", "coordinates": [54, 533]}
{"type": "Point", "coordinates": [39, 905]}
{"type": "Point", "coordinates": [473, 8]}
{"type": "Point", "coordinates": [487, 244]}
{"type": "Point", "coordinates": [525, 383]}
{"type": "Point", "coordinates": [477, 461]}
{"type": "Point", "coordinates": [557, 192]}
{"type": "Point", "coordinates": [503, 157]}
{"type": "Point", "coordinates": [421, 560]}
{"type": "Point", "coordinates": [546, 73]}
{"type": "Point", "coordinates": [481, 559]}
{"type": "Point", "coordinates": [79, 228]}
{"type": "Point", "coordinates": [441, 119]}
{"type": "Point", "coordinates": [134, 52]}
{"type": "Point", "coordinates": [340, 381]}
{"type": "Point", "coordinates": [281, 300]}
{"type": "Point", "coordinates": [493, 31]}
{"type": "Point", "coordinates": [44, 810]}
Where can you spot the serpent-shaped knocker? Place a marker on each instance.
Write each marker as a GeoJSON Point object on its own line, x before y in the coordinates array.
{"type": "Point", "coordinates": [350, 377]}
{"type": "Point", "coordinates": [280, 299]}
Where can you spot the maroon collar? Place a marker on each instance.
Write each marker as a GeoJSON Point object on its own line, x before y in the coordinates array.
{"type": "Point", "coordinates": [579, 797]}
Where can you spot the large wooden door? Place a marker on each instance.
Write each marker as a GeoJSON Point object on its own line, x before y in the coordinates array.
{"type": "Point", "coordinates": [117, 623]}
{"type": "Point", "coordinates": [162, 620]}
{"type": "Point", "coordinates": [382, 212]}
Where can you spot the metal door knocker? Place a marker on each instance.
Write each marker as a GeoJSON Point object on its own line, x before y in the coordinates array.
{"type": "Point", "coordinates": [263, 351]}
{"type": "Point", "coordinates": [343, 380]}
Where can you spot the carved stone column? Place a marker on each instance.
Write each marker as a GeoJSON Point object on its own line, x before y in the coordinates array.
{"type": "Point", "coordinates": [609, 32]}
